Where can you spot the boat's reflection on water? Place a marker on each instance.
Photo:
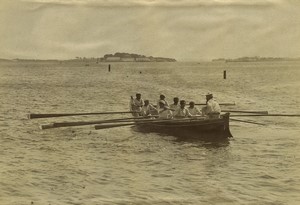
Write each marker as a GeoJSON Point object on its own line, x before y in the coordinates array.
{"type": "Point", "coordinates": [204, 141]}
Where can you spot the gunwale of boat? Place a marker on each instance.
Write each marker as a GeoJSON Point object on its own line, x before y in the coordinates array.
{"type": "Point", "coordinates": [188, 123]}
{"type": "Point", "coordinates": [219, 126]}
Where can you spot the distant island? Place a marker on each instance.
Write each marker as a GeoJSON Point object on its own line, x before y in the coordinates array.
{"type": "Point", "coordinates": [117, 57]}
{"type": "Point", "coordinates": [255, 59]}
{"type": "Point", "coordinates": [132, 57]}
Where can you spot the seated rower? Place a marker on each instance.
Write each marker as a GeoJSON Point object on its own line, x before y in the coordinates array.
{"type": "Point", "coordinates": [148, 109]}
{"type": "Point", "coordinates": [162, 97]}
{"type": "Point", "coordinates": [175, 105]}
{"type": "Point", "coordinates": [182, 111]}
{"type": "Point", "coordinates": [212, 108]}
{"type": "Point", "coordinates": [164, 111]}
{"type": "Point", "coordinates": [136, 104]}
{"type": "Point", "coordinates": [193, 110]}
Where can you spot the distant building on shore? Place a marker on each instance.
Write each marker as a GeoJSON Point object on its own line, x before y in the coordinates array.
{"type": "Point", "coordinates": [142, 59]}
{"type": "Point", "coordinates": [128, 59]}
{"type": "Point", "coordinates": [113, 59]}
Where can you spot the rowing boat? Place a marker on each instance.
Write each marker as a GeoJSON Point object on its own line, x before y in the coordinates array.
{"type": "Point", "coordinates": [191, 127]}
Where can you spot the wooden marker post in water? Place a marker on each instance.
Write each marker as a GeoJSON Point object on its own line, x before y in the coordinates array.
{"type": "Point", "coordinates": [108, 67]}
{"type": "Point", "coordinates": [224, 74]}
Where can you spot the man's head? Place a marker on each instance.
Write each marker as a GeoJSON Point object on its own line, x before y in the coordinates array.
{"type": "Point", "coordinates": [182, 103]}
{"type": "Point", "coordinates": [162, 96]}
{"type": "Point", "coordinates": [209, 96]}
{"type": "Point", "coordinates": [146, 102]}
{"type": "Point", "coordinates": [192, 104]}
{"type": "Point", "coordinates": [176, 100]}
{"type": "Point", "coordinates": [138, 95]}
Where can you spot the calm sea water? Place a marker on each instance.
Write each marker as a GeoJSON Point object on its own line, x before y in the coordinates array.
{"type": "Point", "coordinates": [80, 165]}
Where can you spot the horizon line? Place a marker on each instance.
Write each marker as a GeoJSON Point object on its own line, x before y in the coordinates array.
{"type": "Point", "coordinates": [183, 60]}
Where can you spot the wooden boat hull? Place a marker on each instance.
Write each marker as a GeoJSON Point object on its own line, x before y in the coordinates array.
{"type": "Point", "coordinates": [200, 128]}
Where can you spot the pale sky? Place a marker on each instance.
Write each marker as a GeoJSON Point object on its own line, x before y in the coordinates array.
{"type": "Point", "coordinates": [180, 29]}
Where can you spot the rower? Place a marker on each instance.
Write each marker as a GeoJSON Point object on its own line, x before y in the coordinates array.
{"type": "Point", "coordinates": [164, 111]}
{"type": "Point", "coordinates": [182, 111]}
{"type": "Point", "coordinates": [212, 108]}
{"type": "Point", "coordinates": [136, 104]}
{"type": "Point", "coordinates": [148, 109]}
{"type": "Point", "coordinates": [193, 110]}
{"type": "Point", "coordinates": [175, 105]}
{"type": "Point", "coordinates": [162, 97]}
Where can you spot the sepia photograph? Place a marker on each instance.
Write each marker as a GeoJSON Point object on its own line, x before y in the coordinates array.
{"type": "Point", "coordinates": [149, 102]}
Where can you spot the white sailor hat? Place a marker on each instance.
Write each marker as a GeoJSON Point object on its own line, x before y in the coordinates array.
{"type": "Point", "coordinates": [209, 94]}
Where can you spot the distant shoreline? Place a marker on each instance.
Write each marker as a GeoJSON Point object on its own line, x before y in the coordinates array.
{"type": "Point", "coordinates": [117, 57]}
{"type": "Point", "coordinates": [255, 59]}
{"type": "Point", "coordinates": [112, 59]}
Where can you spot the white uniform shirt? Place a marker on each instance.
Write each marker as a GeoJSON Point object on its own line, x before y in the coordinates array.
{"type": "Point", "coordinates": [174, 107]}
{"type": "Point", "coordinates": [194, 111]}
{"type": "Point", "coordinates": [213, 106]}
{"type": "Point", "coordinates": [135, 104]}
{"type": "Point", "coordinates": [166, 103]}
{"type": "Point", "coordinates": [165, 114]}
{"type": "Point", "coordinates": [182, 112]}
{"type": "Point", "coordinates": [146, 110]}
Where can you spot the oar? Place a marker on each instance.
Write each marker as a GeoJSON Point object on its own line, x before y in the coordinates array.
{"type": "Point", "coordinates": [246, 121]}
{"type": "Point", "coordinates": [81, 123]}
{"type": "Point", "coordinates": [268, 115]}
{"type": "Point", "coordinates": [101, 126]}
{"type": "Point", "coordinates": [225, 104]}
{"type": "Point", "coordinates": [247, 111]}
{"type": "Point", "coordinates": [33, 116]}
{"type": "Point", "coordinates": [105, 126]}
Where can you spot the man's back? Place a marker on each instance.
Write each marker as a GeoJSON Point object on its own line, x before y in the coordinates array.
{"type": "Point", "coordinates": [213, 106]}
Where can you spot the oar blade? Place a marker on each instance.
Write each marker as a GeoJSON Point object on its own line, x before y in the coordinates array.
{"type": "Point", "coordinates": [47, 126]}
{"type": "Point", "coordinates": [35, 116]}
